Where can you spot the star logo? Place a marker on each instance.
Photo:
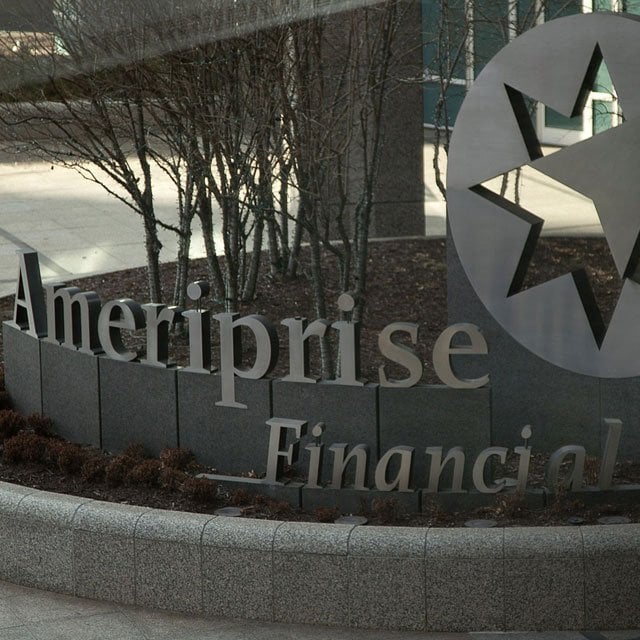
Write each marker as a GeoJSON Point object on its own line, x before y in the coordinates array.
{"type": "Point", "coordinates": [554, 64]}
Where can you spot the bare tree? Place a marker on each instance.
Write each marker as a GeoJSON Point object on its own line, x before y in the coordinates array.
{"type": "Point", "coordinates": [243, 121]}
{"type": "Point", "coordinates": [461, 36]}
{"type": "Point", "coordinates": [86, 115]}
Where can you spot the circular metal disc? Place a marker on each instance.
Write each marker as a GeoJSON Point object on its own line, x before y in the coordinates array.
{"type": "Point", "coordinates": [494, 238]}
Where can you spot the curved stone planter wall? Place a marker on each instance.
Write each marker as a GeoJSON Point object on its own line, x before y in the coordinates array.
{"type": "Point", "coordinates": [382, 577]}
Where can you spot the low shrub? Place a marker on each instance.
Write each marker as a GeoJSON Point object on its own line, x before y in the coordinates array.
{"type": "Point", "coordinates": [71, 458]}
{"type": "Point", "coordinates": [94, 469]}
{"type": "Point", "coordinates": [171, 479]}
{"type": "Point", "coordinates": [279, 508]}
{"type": "Point", "coordinates": [5, 400]}
{"type": "Point", "coordinates": [117, 471]}
{"type": "Point", "coordinates": [25, 447]}
{"type": "Point", "coordinates": [134, 451]}
{"type": "Point", "coordinates": [11, 423]}
{"type": "Point", "coordinates": [386, 510]}
{"type": "Point", "coordinates": [200, 490]}
{"type": "Point", "coordinates": [146, 473]}
{"type": "Point", "coordinates": [326, 514]}
{"type": "Point", "coordinates": [52, 451]}
{"type": "Point", "coordinates": [42, 425]}
{"type": "Point", "coordinates": [240, 497]}
{"type": "Point", "coordinates": [178, 458]}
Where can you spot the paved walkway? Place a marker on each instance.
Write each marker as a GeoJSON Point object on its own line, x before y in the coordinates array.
{"type": "Point", "coordinates": [29, 614]}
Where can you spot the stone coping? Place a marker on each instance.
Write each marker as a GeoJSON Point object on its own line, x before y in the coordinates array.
{"type": "Point", "coordinates": [545, 578]}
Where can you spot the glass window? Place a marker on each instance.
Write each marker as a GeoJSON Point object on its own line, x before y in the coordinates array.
{"type": "Point", "coordinates": [447, 111]}
{"type": "Point", "coordinates": [602, 116]}
{"type": "Point", "coordinates": [445, 30]}
{"type": "Point", "coordinates": [559, 8]}
{"type": "Point", "coordinates": [556, 120]}
{"type": "Point", "coordinates": [631, 6]}
{"type": "Point", "coordinates": [490, 30]}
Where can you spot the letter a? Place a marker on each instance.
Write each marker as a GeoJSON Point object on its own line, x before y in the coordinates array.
{"type": "Point", "coordinates": [29, 312]}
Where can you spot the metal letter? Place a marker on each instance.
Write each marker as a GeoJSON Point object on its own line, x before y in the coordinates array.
{"type": "Point", "coordinates": [277, 454]}
{"type": "Point", "coordinates": [299, 333]}
{"type": "Point", "coordinates": [523, 462]}
{"type": "Point", "coordinates": [348, 346]}
{"type": "Point", "coordinates": [231, 352]}
{"type": "Point", "coordinates": [159, 321]}
{"type": "Point", "coordinates": [199, 323]}
{"type": "Point", "coordinates": [456, 454]}
{"type": "Point", "coordinates": [315, 457]}
{"type": "Point", "coordinates": [443, 350]}
{"type": "Point", "coordinates": [614, 430]}
{"type": "Point", "coordinates": [28, 309]}
{"type": "Point", "coordinates": [400, 353]}
{"type": "Point", "coordinates": [403, 477]}
{"type": "Point", "coordinates": [115, 316]}
{"type": "Point", "coordinates": [359, 453]}
{"type": "Point", "coordinates": [78, 312]}
{"type": "Point", "coordinates": [573, 479]}
{"type": "Point", "coordinates": [479, 465]}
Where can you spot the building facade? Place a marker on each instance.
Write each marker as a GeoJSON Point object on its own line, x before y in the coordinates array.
{"type": "Point", "coordinates": [461, 36]}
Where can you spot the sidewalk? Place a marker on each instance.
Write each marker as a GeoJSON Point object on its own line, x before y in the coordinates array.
{"type": "Point", "coordinates": [29, 614]}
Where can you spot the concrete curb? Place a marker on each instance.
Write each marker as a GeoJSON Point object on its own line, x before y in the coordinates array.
{"type": "Point", "coordinates": [547, 578]}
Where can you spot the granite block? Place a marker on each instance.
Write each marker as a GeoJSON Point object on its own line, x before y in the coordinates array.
{"type": "Point", "coordinates": [37, 554]}
{"type": "Point", "coordinates": [349, 414]}
{"type": "Point", "coordinates": [108, 518]}
{"type": "Point", "coordinates": [22, 373]}
{"type": "Point", "coordinates": [71, 393]}
{"type": "Point", "coordinates": [542, 542]}
{"type": "Point", "coordinates": [237, 583]}
{"type": "Point", "coordinates": [168, 575]}
{"type": "Point", "coordinates": [357, 501]}
{"type": "Point", "coordinates": [41, 548]}
{"type": "Point", "coordinates": [313, 538]}
{"type": "Point", "coordinates": [570, 412]}
{"type": "Point", "coordinates": [465, 594]}
{"type": "Point", "coordinates": [169, 560]}
{"type": "Point", "coordinates": [53, 509]}
{"type": "Point", "coordinates": [621, 399]}
{"type": "Point", "coordinates": [621, 540]}
{"type": "Point", "coordinates": [171, 526]}
{"type": "Point", "coordinates": [311, 588]}
{"type": "Point", "coordinates": [104, 551]}
{"type": "Point", "coordinates": [435, 416]}
{"type": "Point", "coordinates": [11, 550]}
{"type": "Point", "coordinates": [612, 576]}
{"type": "Point", "coordinates": [405, 542]}
{"type": "Point", "coordinates": [10, 529]}
{"type": "Point", "coordinates": [138, 404]}
{"type": "Point", "coordinates": [230, 440]}
{"type": "Point", "coordinates": [387, 593]}
{"type": "Point", "coordinates": [11, 495]}
{"type": "Point", "coordinates": [612, 592]}
{"type": "Point", "coordinates": [238, 533]}
{"type": "Point", "coordinates": [464, 544]}
{"type": "Point", "coordinates": [544, 593]}
{"type": "Point", "coordinates": [237, 567]}
{"type": "Point", "coordinates": [104, 567]}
